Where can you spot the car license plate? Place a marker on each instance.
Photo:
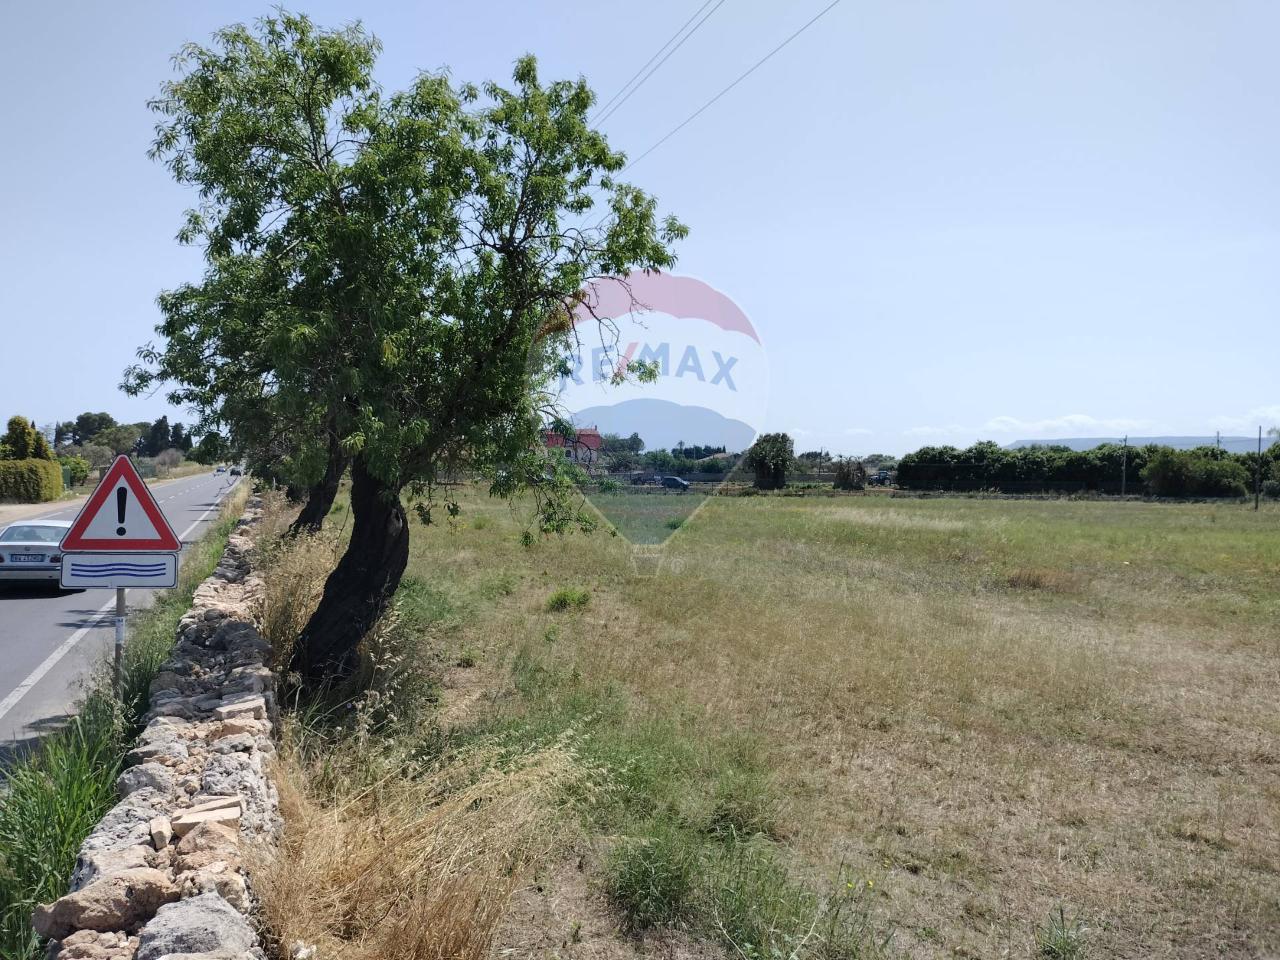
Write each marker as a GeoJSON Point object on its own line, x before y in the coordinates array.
{"type": "Point", "coordinates": [26, 558]}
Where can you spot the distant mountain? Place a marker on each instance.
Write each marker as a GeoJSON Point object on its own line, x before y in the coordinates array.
{"type": "Point", "coordinates": [663, 424]}
{"type": "Point", "coordinates": [1230, 444]}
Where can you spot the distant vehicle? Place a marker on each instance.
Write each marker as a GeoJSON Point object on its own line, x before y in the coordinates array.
{"type": "Point", "coordinates": [220, 470]}
{"type": "Point", "coordinates": [674, 483]}
{"type": "Point", "coordinates": [29, 550]}
{"type": "Point", "coordinates": [881, 478]}
{"type": "Point", "coordinates": [235, 472]}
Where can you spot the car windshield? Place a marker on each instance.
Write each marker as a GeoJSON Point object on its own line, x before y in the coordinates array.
{"type": "Point", "coordinates": [32, 533]}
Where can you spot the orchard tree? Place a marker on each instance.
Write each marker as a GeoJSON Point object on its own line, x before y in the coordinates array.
{"type": "Point", "coordinates": [381, 268]}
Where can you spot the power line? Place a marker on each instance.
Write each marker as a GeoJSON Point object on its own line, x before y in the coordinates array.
{"type": "Point", "coordinates": [607, 112]}
{"type": "Point", "coordinates": [654, 57]}
{"type": "Point", "coordinates": [756, 66]}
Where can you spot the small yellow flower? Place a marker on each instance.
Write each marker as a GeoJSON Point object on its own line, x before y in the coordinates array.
{"type": "Point", "coordinates": [871, 884]}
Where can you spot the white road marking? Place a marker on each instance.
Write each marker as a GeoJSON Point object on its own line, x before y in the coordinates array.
{"type": "Point", "coordinates": [51, 661]}
{"type": "Point", "coordinates": [67, 645]}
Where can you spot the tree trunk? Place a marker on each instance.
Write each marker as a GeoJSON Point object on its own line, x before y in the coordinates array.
{"type": "Point", "coordinates": [360, 587]}
{"type": "Point", "coordinates": [320, 498]}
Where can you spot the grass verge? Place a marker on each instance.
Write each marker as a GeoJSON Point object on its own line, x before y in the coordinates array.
{"type": "Point", "coordinates": [55, 795]}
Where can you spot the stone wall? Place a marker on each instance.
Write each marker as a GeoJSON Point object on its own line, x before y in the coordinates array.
{"type": "Point", "coordinates": [162, 875]}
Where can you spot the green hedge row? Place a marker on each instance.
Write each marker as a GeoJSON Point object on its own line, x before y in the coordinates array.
{"type": "Point", "coordinates": [30, 481]}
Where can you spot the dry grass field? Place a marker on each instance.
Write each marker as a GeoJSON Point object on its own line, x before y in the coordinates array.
{"type": "Point", "coordinates": [980, 728]}
{"type": "Point", "coordinates": [990, 709]}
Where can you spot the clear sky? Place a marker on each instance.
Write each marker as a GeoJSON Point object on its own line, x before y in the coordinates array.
{"type": "Point", "coordinates": [948, 220]}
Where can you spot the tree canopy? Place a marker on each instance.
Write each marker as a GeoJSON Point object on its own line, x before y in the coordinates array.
{"type": "Point", "coordinates": [380, 268]}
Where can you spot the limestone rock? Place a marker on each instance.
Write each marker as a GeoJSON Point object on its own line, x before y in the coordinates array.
{"type": "Point", "coordinates": [207, 843]}
{"type": "Point", "coordinates": [161, 832]}
{"type": "Point", "coordinates": [225, 811]}
{"type": "Point", "coordinates": [150, 775]}
{"type": "Point", "coordinates": [202, 924]}
{"type": "Point", "coordinates": [93, 945]}
{"type": "Point", "coordinates": [121, 901]}
{"type": "Point", "coordinates": [93, 865]}
{"type": "Point", "coordinates": [251, 706]}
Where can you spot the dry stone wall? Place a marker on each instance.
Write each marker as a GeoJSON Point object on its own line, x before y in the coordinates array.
{"type": "Point", "coordinates": [162, 877]}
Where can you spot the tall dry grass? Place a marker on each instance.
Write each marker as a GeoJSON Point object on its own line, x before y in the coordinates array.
{"type": "Point", "coordinates": [385, 858]}
{"type": "Point", "coordinates": [295, 571]}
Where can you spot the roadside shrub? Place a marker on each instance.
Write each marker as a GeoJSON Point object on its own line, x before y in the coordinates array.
{"type": "Point", "coordinates": [675, 523]}
{"type": "Point", "coordinates": [568, 598]}
{"type": "Point", "coordinates": [609, 485]}
{"type": "Point", "coordinates": [79, 468]}
{"type": "Point", "coordinates": [30, 480]}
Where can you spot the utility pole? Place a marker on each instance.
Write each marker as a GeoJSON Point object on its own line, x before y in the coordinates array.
{"type": "Point", "coordinates": [1124, 465]}
{"type": "Point", "coordinates": [1217, 439]}
{"type": "Point", "coordinates": [1257, 475]}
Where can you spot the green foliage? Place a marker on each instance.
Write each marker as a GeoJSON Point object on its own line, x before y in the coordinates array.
{"type": "Point", "coordinates": [382, 266]}
{"type": "Point", "coordinates": [123, 438]}
{"type": "Point", "coordinates": [850, 474]}
{"type": "Point", "coordinates": [211, 449]}
{"type": "Point", "coordinates": [88, 426]}
{"type": "Point", "coordinates": [608, 485]}
{"type": "Point", "coordinates": [675, 523]}
{"type": "Point", "coordinates": [30, 481]}
{"type": "Point", "coordinates": [22, 441]}
{"type": "Point", "coordinates": [51, 802]}
{"type": "Point", "coordinates": [1159, 471]}
{"type": "Point", "coordinates": [651, 878]}
{"type": "Point", "coordinates": [79, 468]}
{"type": "Point", "coordinates": [1194, 473]}
{"type": "Point", "coordinates": [568, 598]}
{"type": "Point", "coordinates": [769, 458]}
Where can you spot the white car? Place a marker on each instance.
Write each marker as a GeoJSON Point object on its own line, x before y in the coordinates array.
{"type": "Point", "coordinates": [29, 550]}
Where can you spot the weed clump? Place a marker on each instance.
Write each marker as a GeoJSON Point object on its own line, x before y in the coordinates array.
{"type": "Point", "coordinates": [1060, 938]}
{"type": "Point", "coordinates": [651, 878]}
{"type": "Point", "coordinates": [568, 598]}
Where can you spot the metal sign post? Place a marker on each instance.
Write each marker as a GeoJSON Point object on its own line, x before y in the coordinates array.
{"type": "Point", "coordinates": [118, 671]}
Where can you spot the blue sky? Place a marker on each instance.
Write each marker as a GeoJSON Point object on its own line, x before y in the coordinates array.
{"type": "Point", "coordinates": [948, 220]}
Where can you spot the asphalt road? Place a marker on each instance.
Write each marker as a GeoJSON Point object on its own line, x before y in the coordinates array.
{"type": "Point", "coordinates": [50, 639]}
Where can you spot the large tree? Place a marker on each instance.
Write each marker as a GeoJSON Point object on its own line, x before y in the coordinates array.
{"type": "Point", "coordinates": [384, 267]}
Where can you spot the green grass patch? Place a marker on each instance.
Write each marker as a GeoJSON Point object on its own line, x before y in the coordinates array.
{"type": "Point", "coordinates": [56, 794]}
{"type": "Point", "coordinates": [695, 817]}
{"type": "Point", "coordinates": [568, 598]}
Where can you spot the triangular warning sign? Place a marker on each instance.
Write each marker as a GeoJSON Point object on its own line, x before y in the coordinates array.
{"type": "Point", "coordinates": [120, 516]}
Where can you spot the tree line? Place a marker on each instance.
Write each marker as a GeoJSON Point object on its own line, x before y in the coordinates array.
{"type": "Point", "coordinates": [1150, 470]}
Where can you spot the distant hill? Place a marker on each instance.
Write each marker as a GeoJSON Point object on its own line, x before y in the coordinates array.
{"type": "Point", "coordinates": [1230, 444]}
{"type": "Point", "coordinates": [663, 424]}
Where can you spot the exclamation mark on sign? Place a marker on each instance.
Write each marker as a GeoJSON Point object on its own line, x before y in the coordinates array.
{"type": "Point", "coordinates": [122, 497]}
